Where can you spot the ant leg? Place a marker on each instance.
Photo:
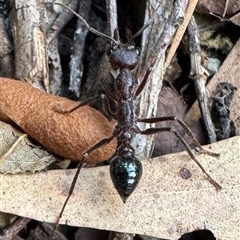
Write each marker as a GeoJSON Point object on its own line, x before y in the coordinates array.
{"type": "Point", "coordinates": [143, 83]}
{"type": "Point", "coordinates": [81, 104]}
{"type": "Point", "coordinates": [101, 143]}
{"type": "Point", "coordinates": [68, 197]}
{"type": "Point", "coordinates": [171, 129]}
{"type": "Point", "coordinates": [142, 29]}
{"type": "Point", "coordinates": [183, 125]}
{"type": "Point", "coordinates": [109, 92]}
{"type": "Point", "coordinates": [104, 98]}
{"type": "Point", "coordinates": [106, 106]}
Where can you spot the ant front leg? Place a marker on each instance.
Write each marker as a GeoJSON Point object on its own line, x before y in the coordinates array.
{"type": "Point", "coordinates": [59, 109]}
{"type": "Point", "coordinates": [104, 98]}
{"type": "Point", "coordinates": [150, 131]}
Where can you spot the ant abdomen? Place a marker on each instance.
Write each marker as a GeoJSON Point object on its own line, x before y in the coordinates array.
{"type": "Point", "coordinates": [126, 173]}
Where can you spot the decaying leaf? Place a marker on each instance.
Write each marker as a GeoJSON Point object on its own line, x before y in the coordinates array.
{"type": "Point", "coordinates": [68, 135]}
{"type": "Point", "coordinates": [225, 10]}
{"type": "Point", "coordinates": [169, 104]}
{"type": "Point", "coordinates": [18, 154]}
{"type": "Point", "coordinates": [164, 205]}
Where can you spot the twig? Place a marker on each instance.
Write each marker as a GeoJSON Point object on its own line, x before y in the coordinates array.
{"type": "Point", "coordinates": [181, 30]}
{"type": "Point", "coordinates": [80, 34]}
{"type": "Point", "coordinates": [111, 6]}
{"type": "Point", "coordinates": [6, 50]}
{"type": "Point", "coordinates": [61, 20]}
{"type": "Point", "coordinates": [225, 8]}
{"type": "Point", "coordinates": [196, 74]}
{"type": "Point", "coordinates": [112, 16]}
{"type": "Point", "coordinates": [28, 27]}
{"type": "Point", "coordinates": [163, 42]}
{"type": "Point", "coordinates": [156, 38]}
{"type": "Point", "coordinates": [11, 230]}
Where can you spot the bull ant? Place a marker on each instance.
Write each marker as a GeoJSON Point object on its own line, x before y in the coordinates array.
{"type": "Point", "coordinates": [125, 168]}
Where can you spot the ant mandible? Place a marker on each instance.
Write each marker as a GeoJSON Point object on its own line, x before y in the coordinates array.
{"type": "Point", "coordinates": [125, 167]}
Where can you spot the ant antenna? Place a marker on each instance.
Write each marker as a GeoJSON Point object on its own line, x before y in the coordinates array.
{"type": "Point", "coordinates": [93, 30]}
{"type": "Point", "coordinates": [142, 29]}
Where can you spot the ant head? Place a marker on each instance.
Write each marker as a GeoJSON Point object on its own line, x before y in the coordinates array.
{"type": "Point", "coordinates": [123, 56]}
{"type": "Point", "coordinates": [120, 55]}
{"type": "Point", "coordinates": [126, 173]}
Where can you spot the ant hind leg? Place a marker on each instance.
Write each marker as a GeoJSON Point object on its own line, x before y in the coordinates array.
{"type": "Point", "coordinates": [150, 131]}
{"type": "Point", "coordinates": [186, 129]}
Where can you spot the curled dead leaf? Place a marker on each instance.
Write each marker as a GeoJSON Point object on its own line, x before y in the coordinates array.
{"type": "Point", "coordinates": [18, 154]}
{"type": "Point", "coordinates": [68, 135]}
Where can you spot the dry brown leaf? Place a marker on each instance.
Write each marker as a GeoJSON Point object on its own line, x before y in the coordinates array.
{"type": "Point", "coordinates": [68, 135]}
{"type": "Point", "coordinates": [225, 10]}
{"type": "Point", "coordinates": [169, 104]}
{"type": "Point", "coordinates": [164, 205]}
{"type": "Point", "coordinates": [18, 154]}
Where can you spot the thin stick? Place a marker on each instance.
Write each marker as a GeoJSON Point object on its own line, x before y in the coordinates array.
{"type": "Point", "coordinates": [13, 229]}
{"type": "Point", "coordinates": [60, 21]}
{"type": "Point", "coordinates": [111, 6]}
{"type": "Point", "coordinates": [225, 8]}
{"type": "Point", "coordinates": [197, 74]}
{"type": "Point", "coordinates": [181, 30]}
{"type": "Point", "coordinates": [13, 146]}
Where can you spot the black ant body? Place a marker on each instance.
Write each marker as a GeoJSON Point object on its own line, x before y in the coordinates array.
{"type": "Point", "coordinates": [125, 168]}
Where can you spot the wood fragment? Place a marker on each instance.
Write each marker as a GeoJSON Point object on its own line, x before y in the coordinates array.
{"type": "Point", "coordinates": [11, 230]}
{"type": "Point", "coordinates": [29, 43]}
{"type": "Point", "coordinates": [156, 38]}
{"type": "Point", "coordinates": [180, 32]}
{"type": "Point", "coordinates": [80, 35]}
{"type": "Point", "coordinates": [6, 52]}
{"type": "Point", "coordinates": [197, 74]}
{"type": "Point", "coordinates": [112, 16]}
{"type": "Point", "coordinates": [164, 205]}
{"type": "Point", "coordinates": [40, 67]}
{"type": "Point", "coordinates": [61, 20]}
{"type": "Point", "coordinates": [228, 72]}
